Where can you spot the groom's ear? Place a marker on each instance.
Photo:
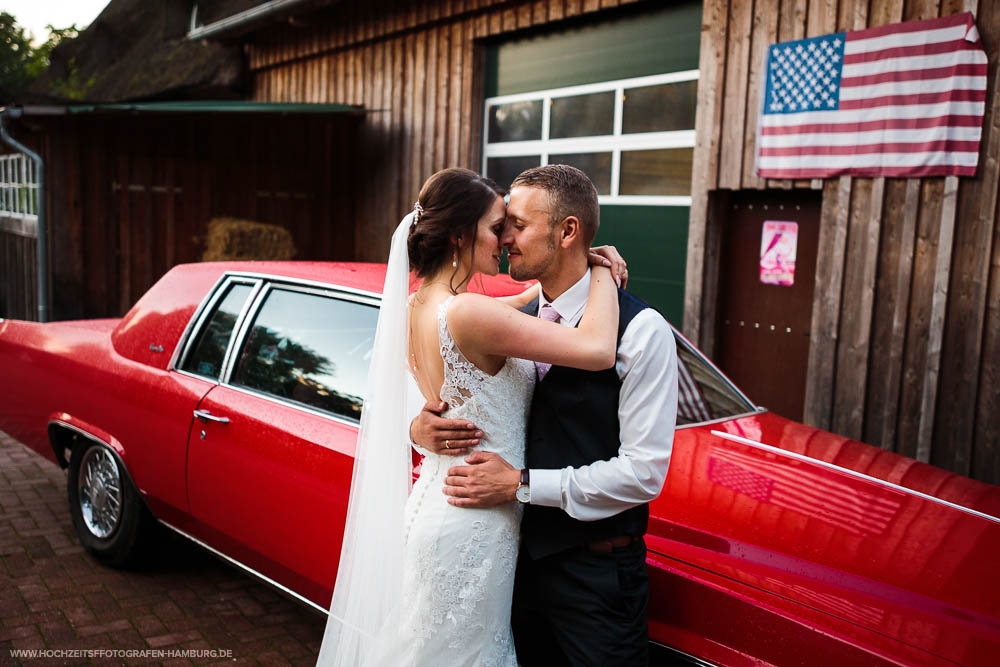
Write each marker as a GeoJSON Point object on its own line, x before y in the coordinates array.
{"type": "Point", "coordinates": [569, 231]}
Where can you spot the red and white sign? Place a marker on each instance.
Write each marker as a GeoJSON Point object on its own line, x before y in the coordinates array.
{"type": "Point", "coordinates": [778, 243]}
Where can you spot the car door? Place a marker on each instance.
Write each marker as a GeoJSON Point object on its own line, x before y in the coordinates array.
{"type": "Point", "coordinates": [271, 456]}
{"type": "Point", "coordinates": [161, 403]}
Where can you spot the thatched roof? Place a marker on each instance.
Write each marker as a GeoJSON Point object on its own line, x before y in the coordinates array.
{"type": "Point", "coordinates": [138, 50]}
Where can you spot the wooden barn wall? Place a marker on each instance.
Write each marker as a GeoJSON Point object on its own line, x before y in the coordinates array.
{"type": "Point", "coordinates": [905, 344]}
{"type": "Point", "coordinates": [18, 267]}
{"type": "Point", "coordinates": [417, 66]}
{"type": "Point", "coordinates": [130, 197]}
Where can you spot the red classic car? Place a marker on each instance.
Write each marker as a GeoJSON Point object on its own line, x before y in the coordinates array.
{"type": "Point", "coordinates": [225, 406]}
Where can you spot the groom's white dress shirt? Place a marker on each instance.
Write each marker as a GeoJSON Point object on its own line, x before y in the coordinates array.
{"type": "Point", "coordinates": [647, 413]}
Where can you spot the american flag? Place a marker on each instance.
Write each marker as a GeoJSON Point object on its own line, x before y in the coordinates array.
{"type": "Point", "coordinates": [817, 494]}
{"type": "Point", "coordinates": [901, 100]}
{"type": "Point", "coordinates": [691, 405]}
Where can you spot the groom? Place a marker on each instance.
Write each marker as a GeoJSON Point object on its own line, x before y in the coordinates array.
{"type": "Point", "coordinates": [598, 446]}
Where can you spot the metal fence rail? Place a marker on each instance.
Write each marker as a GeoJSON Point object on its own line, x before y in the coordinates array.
{"type": "Point", "coordinates": [18, 187]}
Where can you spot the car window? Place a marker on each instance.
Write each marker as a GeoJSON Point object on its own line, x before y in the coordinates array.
{"type": "Point", "coordinates": [209, 349]}
{"type": "Point", "coordinates": [702, 393]}
{"type": "Point", "coordinates": [311, 349]}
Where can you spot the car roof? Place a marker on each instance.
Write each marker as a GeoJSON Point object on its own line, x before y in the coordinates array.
{"type": "Point", "coordinates": [366, 276]}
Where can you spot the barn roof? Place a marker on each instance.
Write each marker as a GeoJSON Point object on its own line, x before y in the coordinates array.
{"type": "Point", "coordinates": [139, 50]}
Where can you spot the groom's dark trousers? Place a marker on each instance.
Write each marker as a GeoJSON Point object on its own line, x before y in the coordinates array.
{"type": "Point", "coordinates": [582, 608]}
{"type": "Point", "coordinates": [581, 588]}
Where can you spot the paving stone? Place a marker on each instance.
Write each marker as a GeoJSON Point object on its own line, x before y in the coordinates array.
{"type": "Point", "coordinates": [55, 595]}
{"type": "Point", "coordinates": [273, 659]}
{"type": "Point", "coordinates": [172, 638]}
{"type": "Point", "coordinates": [87, 630]}
{"type": "Point", "coordinates": [19, 631]}
{"type": "Point", "coordinates": [128, 639]}
{"type": "Point", "coordinates": [57, 632]}
{"type": "Point", "coordinates": [148, 624]}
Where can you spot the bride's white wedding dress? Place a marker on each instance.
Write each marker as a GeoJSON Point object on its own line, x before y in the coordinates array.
{"type": "Point", "coordinates": [458, 572]}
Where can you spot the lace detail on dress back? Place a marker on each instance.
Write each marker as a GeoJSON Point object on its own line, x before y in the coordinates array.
{"type": "Point", "coordinates": [462, 378]}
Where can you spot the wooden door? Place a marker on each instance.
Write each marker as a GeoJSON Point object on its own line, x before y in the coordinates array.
{"type": "Point", "coordinates": [763, 322]}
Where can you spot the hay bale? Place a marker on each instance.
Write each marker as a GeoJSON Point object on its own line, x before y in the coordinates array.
{"type": "Point", "coordinates": [231, 239]}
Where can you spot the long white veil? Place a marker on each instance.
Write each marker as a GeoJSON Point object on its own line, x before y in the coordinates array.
{"type": "Point", "coordinates": [369, 579]}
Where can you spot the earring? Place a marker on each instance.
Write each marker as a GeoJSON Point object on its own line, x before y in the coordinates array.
{"type": "Point", "coordinates": [454, 262]}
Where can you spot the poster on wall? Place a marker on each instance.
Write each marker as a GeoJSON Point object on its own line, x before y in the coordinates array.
{"type": "Point", "coordinates": [778, 242]}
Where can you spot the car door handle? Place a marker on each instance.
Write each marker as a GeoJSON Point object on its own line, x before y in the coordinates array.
{"type": "Point", "coordinates": [207, 416]}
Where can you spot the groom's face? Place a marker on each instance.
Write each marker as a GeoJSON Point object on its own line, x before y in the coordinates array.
{"type": "Point", "coordinates": [529, 237]}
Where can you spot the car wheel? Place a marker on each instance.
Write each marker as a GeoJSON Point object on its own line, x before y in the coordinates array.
{"type": "Point", "coordinates": [111, 520]}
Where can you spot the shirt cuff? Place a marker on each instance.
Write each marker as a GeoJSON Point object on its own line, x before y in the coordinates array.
{"type": "Point", "coordinates": [546, 487]}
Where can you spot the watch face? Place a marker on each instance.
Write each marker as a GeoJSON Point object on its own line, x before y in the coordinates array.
{"type": "Point", "coordinates": [523, 494]}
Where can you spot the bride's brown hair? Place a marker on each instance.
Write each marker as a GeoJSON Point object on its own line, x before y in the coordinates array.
{"type": "Point", "coordinates": [449, 206]}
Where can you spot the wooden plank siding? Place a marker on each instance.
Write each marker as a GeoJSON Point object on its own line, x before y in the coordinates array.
{"type": "Point", "coordinates": [129, 197]}
{"type": "Point", "coordinates": [905, 340]}
{"type": "Point", "coordinates": [418, 68]}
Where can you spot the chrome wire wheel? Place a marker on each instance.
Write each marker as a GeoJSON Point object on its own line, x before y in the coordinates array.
{"type": "Point", "coordinates": [100, 492]}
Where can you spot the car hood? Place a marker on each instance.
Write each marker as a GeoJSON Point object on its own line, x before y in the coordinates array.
{"type": "Point", "coordinates": [870, 552]}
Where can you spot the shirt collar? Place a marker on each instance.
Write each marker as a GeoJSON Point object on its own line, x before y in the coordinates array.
{"type": "Point", "coordinates": [570, 303]}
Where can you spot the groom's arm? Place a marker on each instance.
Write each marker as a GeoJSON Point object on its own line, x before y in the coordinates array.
{"type": "Point", "coordinates": [434, 433]}
{"type": "Point", "coordinates": [647, 413]}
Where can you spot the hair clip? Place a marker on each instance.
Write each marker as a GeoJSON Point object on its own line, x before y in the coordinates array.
{"type": "Point", "coordinates": [418, 211]}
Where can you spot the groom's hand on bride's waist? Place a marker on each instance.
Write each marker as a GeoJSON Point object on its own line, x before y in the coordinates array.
{"type": "Point", "coordinates": [488, 480]}
{"type": "Point", "coordinates": [443, 436]}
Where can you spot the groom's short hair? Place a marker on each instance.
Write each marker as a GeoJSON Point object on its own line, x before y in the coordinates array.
{"type": "Point", "coordinates": [570, 193]}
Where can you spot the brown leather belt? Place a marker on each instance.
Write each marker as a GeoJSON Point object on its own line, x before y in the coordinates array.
{"type": "Point", "coordinates": [606, 546]}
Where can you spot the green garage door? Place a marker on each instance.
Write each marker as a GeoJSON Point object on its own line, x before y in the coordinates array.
{"type": "Point", "coordinates": [616, 99]}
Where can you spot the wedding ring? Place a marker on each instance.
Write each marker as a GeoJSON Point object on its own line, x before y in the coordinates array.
{"type": "Point", "coordinates": [447, 444]}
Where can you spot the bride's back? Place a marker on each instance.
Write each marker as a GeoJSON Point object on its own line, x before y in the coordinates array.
{"type": "Point", "coordinates": [426, 363]}
{"type": "Point", "coordinates": [425, 346]}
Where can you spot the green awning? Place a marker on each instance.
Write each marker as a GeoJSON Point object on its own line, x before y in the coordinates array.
{"type": "Point", "coordinates": [196, 107]}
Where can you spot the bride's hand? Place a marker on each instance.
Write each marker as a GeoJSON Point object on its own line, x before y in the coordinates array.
{"type": "Point", "coordinates": [607, 255]}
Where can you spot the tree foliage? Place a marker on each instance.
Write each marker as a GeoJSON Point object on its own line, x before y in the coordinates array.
{"type": "Point", "coordinates": [21, 63]}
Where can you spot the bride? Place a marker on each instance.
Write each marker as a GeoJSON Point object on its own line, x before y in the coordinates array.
{"type": "Point", "coordinates": [420, 581]}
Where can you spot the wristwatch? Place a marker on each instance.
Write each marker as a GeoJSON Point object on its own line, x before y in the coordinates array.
{"type": "Point", "coordinates": [523, 492]}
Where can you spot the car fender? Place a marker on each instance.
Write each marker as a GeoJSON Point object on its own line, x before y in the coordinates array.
{"type": "Point", "coordinates": [61, 421]}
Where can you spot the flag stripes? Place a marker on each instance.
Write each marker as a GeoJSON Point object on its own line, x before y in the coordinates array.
{"type": "Point", "coordinates": [814, 493]}
{"type": "Point", "coordinates": [900, 100]}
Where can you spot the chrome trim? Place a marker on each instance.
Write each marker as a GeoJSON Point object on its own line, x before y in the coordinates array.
{"type": "Point", "coordinates": [114, 452]}
{"type": "Point", "coordinates": [305, 281]}
{"type": "Point", "coordinates": [189, 374]}
{"type": "Point", "coordinates": [291, 404]}
{"type": "Point", "coordinates": [197, 320]}
{"type": "Point", "coordinates": [194, 323]}
{"type": "Point", "coordinates": [853, 473]}
{"type": "Point", "coordinates": [99, 491]}
{"type": "Point", "coordinates": [698, 353]}
{"type": "Point", "coordinates": [206, 416]}
{"type": "Point", "coordinates": [249, 570]}
{"type": "Point", "coordinates": [241, 320]}
{"type": "Point", "coordinates": [229, 362]}
{"type": "Point", "coordinates": [244, 329]}
{"type": "Point", "coordinates": [721, 419]}
{"type": "Point", "coordinates": [239, 335]}
{"type": "Point", "coordinates": [681, 655]}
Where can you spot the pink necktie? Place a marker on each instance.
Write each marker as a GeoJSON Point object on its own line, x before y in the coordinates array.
{"type": "Point", "coordinates": [548, 314]}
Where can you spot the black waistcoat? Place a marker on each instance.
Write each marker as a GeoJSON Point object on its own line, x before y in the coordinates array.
{"type": "Point", "coordinates": [574, 422]}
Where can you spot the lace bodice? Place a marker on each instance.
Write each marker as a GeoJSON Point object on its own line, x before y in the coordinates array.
{"type": "Point", "coordinates": [497, 404]}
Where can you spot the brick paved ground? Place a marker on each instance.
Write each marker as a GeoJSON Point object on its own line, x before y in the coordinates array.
{"type": "Point", "coordinates": [54, 595]}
